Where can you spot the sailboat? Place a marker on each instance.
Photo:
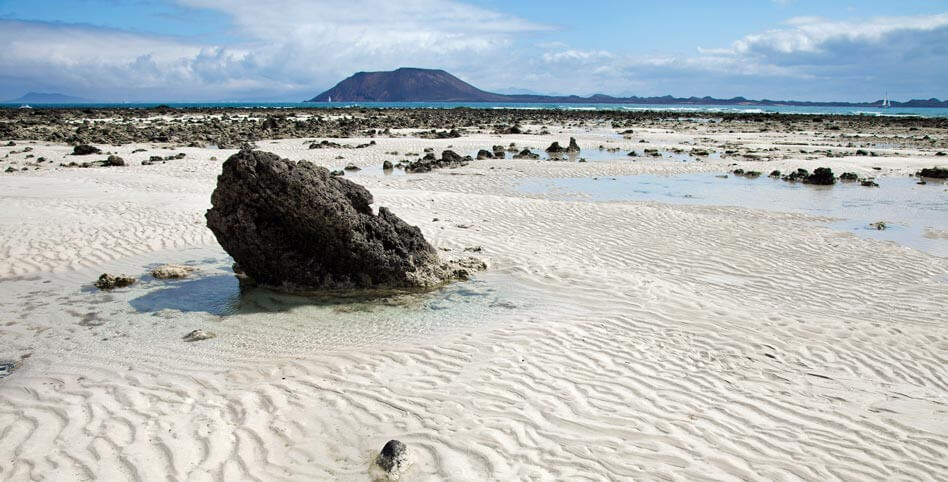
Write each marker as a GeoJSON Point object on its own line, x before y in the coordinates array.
{"type": "Point", "coordinates": [330, 100]}
{"type": "Point", "coordinates": [885, 101]}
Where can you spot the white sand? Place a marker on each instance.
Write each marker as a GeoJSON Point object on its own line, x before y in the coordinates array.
{"type": "Point", "coordinates": [650, 342]}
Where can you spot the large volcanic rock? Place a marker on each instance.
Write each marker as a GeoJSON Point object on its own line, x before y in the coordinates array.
{"type": "Point", "coordinates": [295, 227]}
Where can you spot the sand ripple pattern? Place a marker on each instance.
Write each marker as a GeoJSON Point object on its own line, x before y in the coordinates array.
{"type": "Point", "coordinates": [650, 342]}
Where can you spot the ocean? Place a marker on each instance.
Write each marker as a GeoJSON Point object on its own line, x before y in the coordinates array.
{"type": "Point", "coordinates": [697, 108]}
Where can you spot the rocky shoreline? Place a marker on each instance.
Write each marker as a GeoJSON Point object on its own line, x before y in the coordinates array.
{"type": "Point", "coordinates": [236, 127]}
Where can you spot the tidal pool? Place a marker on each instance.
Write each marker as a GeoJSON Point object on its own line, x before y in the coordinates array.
{"type": "Point", "coordinates": [914, 215]}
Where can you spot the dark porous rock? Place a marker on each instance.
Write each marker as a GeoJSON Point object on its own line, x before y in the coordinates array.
{"type": "Point", "coordinates": [774, 173]}
{"type": "Point", "coordinates": [933, 172]}
{"type": "Point", "coordinates": [798, 175]}
{"type": "Point", "coordinates": [449, 159]}
{"type": "Point", "coordinates": [822, 176]}
{"type": "Point", "coordinates": [352, 167]}
{"type": "Point", "coordinates": [848, 176]}
{"type": "Point", "coordinates": [337, 172]}
{"type": "Point", "coordinates": [115, 161]}
{"type": "Point", "coordinates": [9, 169]}
{"type": "Point", "coordinates": [387, 166]}
{"type": "Point", "coordinates": [573, 146]}
{"type": "Point", "coordinates": [868, 183]}
{"type": "Point", "coordinates": [85, 150]}
{"type": "Point", "coordinates": [108, 282]}
{"type": "Point", "coordinates": [526, 154]}
{"type": "Point", "coordinates": [555, 147]}
{"type": "Point", "coordinates": [484, 154]}
{"type": "Point", "coordinates": [498, 151]}
{"type": "Point", "coordinates": [295, 227]}
{"type": "Point", "coordinates": [393, 460]}
{"type": "Point", "coordinates": [324, 145]}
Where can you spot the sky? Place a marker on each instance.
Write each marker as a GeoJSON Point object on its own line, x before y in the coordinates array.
{"type": "Point", "coordinates": [290, 50]}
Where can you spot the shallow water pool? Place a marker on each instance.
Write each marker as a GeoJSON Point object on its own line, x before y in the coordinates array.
{"type": "Point", "coordinates": [915, 215]}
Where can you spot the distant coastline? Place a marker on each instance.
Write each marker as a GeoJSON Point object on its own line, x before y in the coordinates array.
{"type": "Point", "coordinates": [409, 84]}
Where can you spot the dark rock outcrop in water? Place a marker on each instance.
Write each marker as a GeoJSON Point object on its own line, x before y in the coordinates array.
{"type": "Point", "coordinates": [295, 227]}
{"type": "Point", "coordinates": [933, 172]}
{"type": "Point", "coordinates": [449, 159]}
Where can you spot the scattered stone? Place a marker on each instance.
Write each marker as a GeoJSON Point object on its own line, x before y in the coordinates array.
{"type": "Point", "coordinates": [449, 159]}
{"type": "Point", "coordinates": [9, 169]}
{"type": "Point", "coordinates": [573, 146]}
{"type": "Point", "coordinates": [880, 225]}
{"type": "Point", "coordinates": [933, 172]}
{"type": "Point", "coordinates": [108, 282]}
{"type": "Point", "coordinates": [484, 154]}
{"type": "Point", "coordinates": [294, 227]}
{"type": "Point", "coordinates": [821, 176]}
{"type": "Point", "coordinates": [393, 460]}
{"type": "Point", "coordinates": [337, 172]}
{"type": "Point", "coordinates": [325, 145]}
{"type": "Point", "coordinates": [352, 167]}
{"type": "Point", "coordinates": [498, 151]}
{"type": "Point", "coordinates": [387, 166]}
{"type": "Point", "coordinates": [555, 148]}
{"type": "Point", "coordinates": [85, 150]}
{"type": "Point", "coordinates": [941, 153]}
{"type": "Point", "coordinates": [774, 173]}
{"type": "Point", "coordinates": [9, 366]}
{"type": "Point", "coordinates": [198, 335]}
{"type": "Point", "coordinates": [172, 271]}
{"type": "Point", "coordinates": [526, 154]}
{"type": "Point", "coordinates": [848, 176]}
{"type": "Point", "coordinates": [869, 183]}
{"type": "Point", "coordinates": [115, 161]}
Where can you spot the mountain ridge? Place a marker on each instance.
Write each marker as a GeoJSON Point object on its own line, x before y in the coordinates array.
{"type": "Point", "coordinates": [411, 84]}
{"type": "Point", "coordinates": [47, 98]}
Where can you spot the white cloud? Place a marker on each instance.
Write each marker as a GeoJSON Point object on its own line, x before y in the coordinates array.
{"type": "Point", "coordinates": [576, 55]}
{"type": "Point", "coordinates": [296, 47]}
{"type": "Point", "coordinates": [290, 46]}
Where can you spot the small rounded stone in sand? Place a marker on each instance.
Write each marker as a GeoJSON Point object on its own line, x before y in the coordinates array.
{"type": "Point", "coordinates": [199, 335]}
{"type": "Point", "coordinates": [392, 462]}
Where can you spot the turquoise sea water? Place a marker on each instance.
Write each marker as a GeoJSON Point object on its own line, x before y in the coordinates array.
{"type": "Point", "coordinates": [895, 111]}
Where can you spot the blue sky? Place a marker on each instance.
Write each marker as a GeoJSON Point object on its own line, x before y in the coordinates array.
{"type": "Point", "coordinates": [205, 50]}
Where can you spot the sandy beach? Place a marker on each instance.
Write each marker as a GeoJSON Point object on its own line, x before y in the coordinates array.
{"type": "Point", "coordinates": [608, 340]}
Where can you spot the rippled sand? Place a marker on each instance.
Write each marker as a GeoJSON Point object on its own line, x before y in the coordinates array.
{"type": "Point", "coordinates": [609, 340]}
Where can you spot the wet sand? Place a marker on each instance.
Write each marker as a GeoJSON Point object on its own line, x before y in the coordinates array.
{"type": "Point", "coordinates": [625, 339]}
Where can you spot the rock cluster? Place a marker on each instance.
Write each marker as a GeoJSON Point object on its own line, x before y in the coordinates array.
{"type": "Point", "coordinates": [295, 227]}
{"type": "Point", "coordinates": [449, 159]}
{"type": "Point", "coordinates": [933, 172]}
{"type": "Point", "coordinates": [108, 282]}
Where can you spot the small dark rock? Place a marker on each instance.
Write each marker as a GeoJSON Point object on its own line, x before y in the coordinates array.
{"type": "Point", "coordinates": [821, 176]}
{"type": "Point", "coordinates": [848, 176]}
{"type": "Point", "coordinates": [115, 161]}
{"type": "Point", "coordinates": [85, 150]}
{"type": "Point", "coordinates": [393, 459]}
{"type": "Point", "coordinates": [108, 282]}
{"type": "Point", "coordinates": [933, 172]}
